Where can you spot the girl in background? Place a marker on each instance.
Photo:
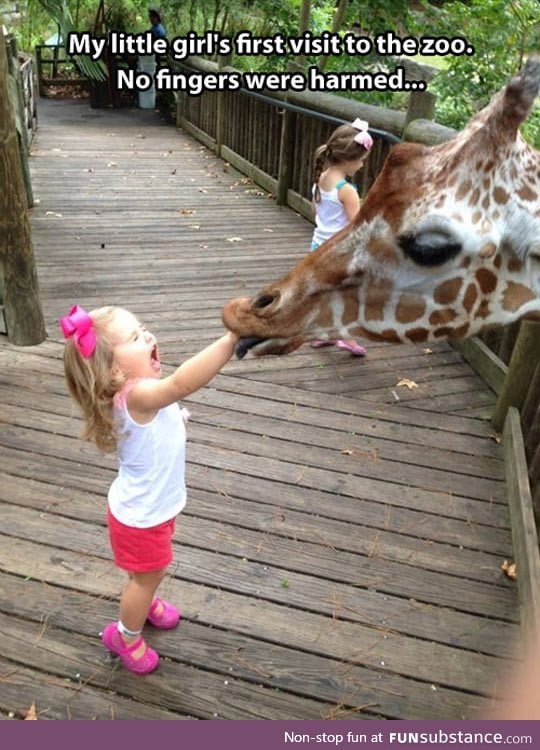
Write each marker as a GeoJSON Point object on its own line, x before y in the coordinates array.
{"type": "Point", "coordinates": [335, 200]}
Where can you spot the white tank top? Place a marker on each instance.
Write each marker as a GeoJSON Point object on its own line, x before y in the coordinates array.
{"type": "Point", "coordinates": [150, 487]}
{"type": "Point", "coordinates": [330, 214]}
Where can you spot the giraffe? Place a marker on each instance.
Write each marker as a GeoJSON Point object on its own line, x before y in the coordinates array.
{"type": "Point", "coordinates": [446, 244]}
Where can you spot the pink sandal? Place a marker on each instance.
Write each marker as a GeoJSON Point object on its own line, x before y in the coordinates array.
{"type": "Point", "coordinates": [350, 346]}
{"type": "Point", "coordinates": [167, 619]}
{"type": "Point", "coordinates": [318, 343]}
{"type": "Point", "coordinates": [113, 642]}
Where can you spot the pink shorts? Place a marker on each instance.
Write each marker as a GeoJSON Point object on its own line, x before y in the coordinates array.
{"type": "Point", "coordinates": [141, 550]}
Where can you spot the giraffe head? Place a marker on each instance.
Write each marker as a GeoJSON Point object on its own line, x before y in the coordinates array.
{"type": "Point", "coordinates": [446, 243]}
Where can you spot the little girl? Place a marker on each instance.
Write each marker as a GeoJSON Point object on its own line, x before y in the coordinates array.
{"type": "Point", "coordinates": [113, 371]}
{"type": "Point", "coordinates": [335, 201]}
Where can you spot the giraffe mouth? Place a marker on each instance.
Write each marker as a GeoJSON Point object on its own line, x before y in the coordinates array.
{"type": "Point", "coordinates": [261, 347]}
{"type": "Point", "coordinates": [245, 344]}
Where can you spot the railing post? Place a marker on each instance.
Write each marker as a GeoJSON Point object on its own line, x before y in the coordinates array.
{"type": "Point", "coordinates": [22, 306]}
{"type": "Point", "coordinates": [39, 66]}
{"type": "Point", "coordinates": [286, 156]}
{"type": "Point", "coordinates": [521, 369]}
{"type": "Point", "coordinates": [221, 108]}
{"type": "Point", "coordinates": [18, 96]}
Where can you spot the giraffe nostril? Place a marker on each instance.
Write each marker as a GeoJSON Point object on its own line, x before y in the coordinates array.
{"type": "Point", "coordinates": [263, 300]}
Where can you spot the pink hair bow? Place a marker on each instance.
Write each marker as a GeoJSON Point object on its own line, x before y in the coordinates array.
{"type": "Point", "coordinates": [81, 326]}
{"type": "Point", "coordinates": [363, 137]}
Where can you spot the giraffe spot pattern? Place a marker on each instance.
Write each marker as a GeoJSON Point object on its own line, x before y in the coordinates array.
{"type": "Point", "coordinates": [469, 298]}
{"type": "Point", "coordinates": [500, 196]}
{"type": "Point", "coordinates": [487, 280]}
{"type": "Point", "coordinates": [410, 307]}
{"type": "Point", "coordinates": [516, 295]}
{"type": "Point", "coordinates": [377, 296]}
{"type": "Point", "coordinates": [463, 189]}
{"type": "Point", "coordinates": [447, 292]}
{"type": "Point", "coordinates": [514, 264]}
{"type": "Point", "coordinates": [483, 309]}
{"type": "Point", "coordinates": [416, 335]}
{"type": "Point", "coordinates": [442, 317]}
{"type": "Point", "coordinates": [526, 194]}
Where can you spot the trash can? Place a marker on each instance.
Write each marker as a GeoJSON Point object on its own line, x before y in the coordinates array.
{"type": "Point", "coordinates": [147, 64]}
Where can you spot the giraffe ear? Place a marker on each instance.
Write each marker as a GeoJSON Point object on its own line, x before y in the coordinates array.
{"type": "Point", "coordinates": [429, 248]}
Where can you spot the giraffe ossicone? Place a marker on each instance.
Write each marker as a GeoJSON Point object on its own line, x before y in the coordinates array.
{"type": "Point", "coordinates": [446, 244]}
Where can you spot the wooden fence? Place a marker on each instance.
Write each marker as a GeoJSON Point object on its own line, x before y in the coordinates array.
{"type": "Point", "coordinates": [272, 138]}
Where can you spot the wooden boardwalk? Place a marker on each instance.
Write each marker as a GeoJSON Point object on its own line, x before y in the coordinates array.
{"type": "Point", "coordinates": [340, 553]}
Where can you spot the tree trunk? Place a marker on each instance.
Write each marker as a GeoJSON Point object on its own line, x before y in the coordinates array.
{"type": "Point", "coordinates": [337, 22]}
{"type": "Point", "coordinates": [18, 277]}
{"type": "Point", "coordinates": [305, 13]}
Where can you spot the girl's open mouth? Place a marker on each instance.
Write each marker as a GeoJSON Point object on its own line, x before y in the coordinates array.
{"type": "Point", "coordinates": [154, 358]}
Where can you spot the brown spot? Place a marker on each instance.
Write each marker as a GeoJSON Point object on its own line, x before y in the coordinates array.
{"type": "Point", "coordinates": [485, 202]}
{"type": "Point", "coordinates": [488, 250]}
{"type": "Point", "coordinates": [417, 334]}
{"type": "Point", "coordinates": [526, 193]}
{"type": "Point", "coordinates": [478, 166]}
{"type": "Point", "coordinates": [409, 307]}
{"type": "Point", "coordinates": [486, 183]}
{"type": "Point", "coordinates": [514, 264]}
{"type": "Point", "coordinates": [447, 292]}
{"type": "Point", "coordinates": [489, 165]}
{"type": "Point", "coordinates": [325, 317]}
{"type": "Point", "coordinates": [475, 218]}
{"type": "Point", "coordinates": [461, 331]}
{"type": "Point", "coordinates": [440, 332]}
{"type": "Point", "coordinates": [483, 309]}
{"type": "Point", "coordinates": [486, 279]}
{"type": "Point", "coordinates": [500, 196]}
{"type": "Point", "coordinates": [463, 189]}
{"type": "Point", "coordinates": [440, 317]}
{"type": "Point", "coordinates": [389, 334]}
{"type": "Point", "coordinates": [377, 296]}
{"type": "Point", "coordinates": [382, 250]}
{"type": "Point", "coordinates": [452, 181]}
{"type": "Point", "coordinates": [466, 262]}
{"type": "Point", "coordinates": [469, 297]}
{"type": "Point", "coordinates": [497, 260]}
{"type": "Point", "coordinates": [473, 200]}
{"type": "Point", "coordinates": [350, 311]}
{"type": "Point", "coordinates": [516, 295]}
{"type": "Point", "coordinates": [440, 201]}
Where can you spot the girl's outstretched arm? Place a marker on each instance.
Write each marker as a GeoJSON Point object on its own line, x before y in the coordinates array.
{"type": "Point", "coordinates": [147, 396]}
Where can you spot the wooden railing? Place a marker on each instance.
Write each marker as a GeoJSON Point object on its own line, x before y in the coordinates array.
{"type": "Point", "coordinates": [272, 138]}
{"type": "Point", "coordinates": [55, 68]}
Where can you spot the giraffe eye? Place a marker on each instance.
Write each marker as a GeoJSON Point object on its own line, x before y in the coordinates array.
{"type": "Point", "coordinates": [430, 248]}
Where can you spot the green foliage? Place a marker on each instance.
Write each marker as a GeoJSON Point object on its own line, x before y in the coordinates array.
{"type": "Point", "coordinates": [502, 33]}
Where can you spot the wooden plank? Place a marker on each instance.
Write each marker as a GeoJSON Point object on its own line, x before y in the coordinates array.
{"type": "Point", "coordinates": [351, 642]}
{"type": "Point", "coordinates": [231, 654]}
{"type": "Point", "coordinates": [62, 698]}
{"type": "Point", "coordinates": [524, 534]}
{"type": "Point", "coordinates": [370, 571]}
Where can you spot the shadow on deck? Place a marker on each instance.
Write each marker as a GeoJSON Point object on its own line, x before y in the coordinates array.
{"type": "Point", "coordinates": [340, 553]}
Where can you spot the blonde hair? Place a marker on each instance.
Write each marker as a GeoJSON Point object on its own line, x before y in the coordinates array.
{"type": "Point", "coordinates": [340, 147]}
{"type": "Point", "coordinates": [93, 382]}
